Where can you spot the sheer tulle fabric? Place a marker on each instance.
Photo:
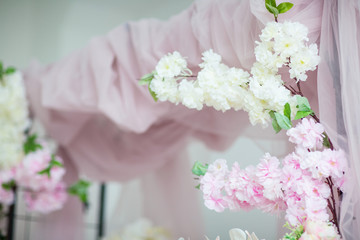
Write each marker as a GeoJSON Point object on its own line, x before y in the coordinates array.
{"type": "Point", "coordinates": [110, 128]}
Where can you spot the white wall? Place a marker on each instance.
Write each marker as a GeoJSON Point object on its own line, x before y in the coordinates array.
{"type": "Point", "coordinates": [50, 29]}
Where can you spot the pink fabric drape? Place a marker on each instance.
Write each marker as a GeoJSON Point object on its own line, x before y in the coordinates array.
{"type": "Point", "coordinates": [111, 129]}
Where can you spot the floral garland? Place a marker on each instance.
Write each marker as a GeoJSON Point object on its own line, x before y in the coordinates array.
{"type": "Point", "coordinates": [27, 163]}
{"type": "Point", "coordinates": [312, 177]}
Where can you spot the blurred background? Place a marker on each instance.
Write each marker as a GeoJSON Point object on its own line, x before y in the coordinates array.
{"type": "Point", "coordinates": [47, 30]}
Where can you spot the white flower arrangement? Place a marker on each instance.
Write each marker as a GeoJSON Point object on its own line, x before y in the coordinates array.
{"type": "Point", "coordinates": [13, 119]}
{"type": "Point", "coordinates": [223, 88]}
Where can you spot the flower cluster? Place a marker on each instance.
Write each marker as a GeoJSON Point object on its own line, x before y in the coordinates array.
{"type": "Point", "coordinates": [24, 163]}
{"type": "Point", "coordinates": [40, 175]}
{"type": "Point", "coordinates": [284, 44]}
{"type": "Point", "coordinates": [222, 87]}
{"type": "Point", "coordinates": [301, 186]}
{"type": "Point", "coordinates": [319, 230]}
{"type": "Point", "coordinates": [13, 119]}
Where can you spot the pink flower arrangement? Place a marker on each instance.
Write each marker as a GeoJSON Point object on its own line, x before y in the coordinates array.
{"type": "Point", "coordinates": [301, 185]}
{"type": "Point", "coordinates": [308, 134]}
{"type": "Point", "coordinates": [40, 176]}
{"type": "Point", "coordinates": [46, 201]}
{"type": "Point", "coordinates": [6, 195]}
{"type": "Point", "coordinates": [27, 172]}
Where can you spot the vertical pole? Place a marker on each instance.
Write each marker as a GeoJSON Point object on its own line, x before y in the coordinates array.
{"type": "Point", "coordinates": [101, 219]}
{"type": "Point", "coordinates": [10, 234]}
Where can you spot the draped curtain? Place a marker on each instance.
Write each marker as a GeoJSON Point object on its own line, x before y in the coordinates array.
{"type": "Point", "coordinates": [110, 129]}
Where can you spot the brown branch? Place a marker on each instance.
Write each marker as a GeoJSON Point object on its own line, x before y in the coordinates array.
{"type": "Point", "coordinates": [299, 89]}
{"type": "Point", "coordinates": [332, 204]}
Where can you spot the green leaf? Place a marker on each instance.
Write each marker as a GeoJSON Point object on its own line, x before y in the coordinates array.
{"type": "Point", "coordinates": [287, 111]}
{"type": "Point", "coordinates": [271, 2]}
{"type": "Point", "coordinates": [147, 78]}
{"type": "Point", "coordinates": [295, 233]}
{"type": "Point", "coordinates": [303, 107]}
{"type": "Point", "coordinates": [54, 162]}
{"type": "Point", "coordinates": [45, 171]}
{"type": "Point", "coordinates": [326, 141]}
{"type": "Point", "coordinates": [275, 125]}
{"type": "Point", "coordinates": [10, 70]}
{"type": "Point", "coordinates": [284, 7]}
{"type": "Point", "coordinates": [283, 121]}
{"type": "Point", "coordinates": [199, 169]}
{"type": "Point", "coordinates": [9, 185]}
{"type": "Point", "coordinates": [198, 186]}
{"type": "Point", "coordinates": [272, 9]}
{"type": "Point", "coordinates": [31, 145]}
{"type": "Point", "coordinates": [80, 189]}
{"type": "Point", "coordinates": [302, 114]}
{"type": "Point", "coordinates": [303, 104]}
{"type": "Point", "coordinates": [153, 94]}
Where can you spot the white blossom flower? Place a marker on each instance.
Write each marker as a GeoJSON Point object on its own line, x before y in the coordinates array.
{"type": "Point", "coordinates": [264, 53]}
{"type": "Point", "coordinates": [171, 65]}
{"type": "Point", "coordinates": [270, 91]}
{"type": "Point", "coordinates": [225, 88]}
{"type": "Point", "coordinates": [212, 80]}
{"type": "Point", "coordinates": [210, 59]}
{"type": "Point", "coordinates": [259, 117]}
{"type": "Point", "coordinates": [271, 31]}
{"type": "Point", "coordinates": [166, 89]}
{"type": "Point", "coordinates": [296, 30]}
{"type": "Point", "coordinates": [13, 119]}
{"type": "Point", "coordinates": [305, 60]}
{"type": "Point", "coordinates": [191, 96]}
{"type": "Point", "coordinates": [287, 46]}
{"type": "Point", "coordinates": [237, 77]}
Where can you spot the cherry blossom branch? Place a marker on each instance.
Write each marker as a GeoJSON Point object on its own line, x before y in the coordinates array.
{"type": "Point", "coordinates": [332, 204]}
{"type": "Point", "coordinates": [331, 201]}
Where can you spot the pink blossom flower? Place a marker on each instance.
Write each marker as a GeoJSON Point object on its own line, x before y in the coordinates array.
{"type": "Point", "coordinates": [274, 207]}
{"type": "Point", "coordinates": [6, 196]}
{"type": "Point", "coordinates": [307, 133]}
{"type": "Point", "coordinates": [268, 174]}
{"type": "Point", "coordinates": [215, 202]}
{"type": "Point", "coordinates": [316, 209]}
{"type": "Point", "coordinates": [292, 160]}
{"type": "Point", "coordinates": [319, 230]}
{"type": "Point", "coordinates": [310, 161]}
{"type": "Point", "coordinates": [340, 182]}
{"type": "Point", "coordinates": [295, 212]}
{"type": "Point", "coordinates": [46, 201]}
{"type": "Point", "coordinates": [290, 176]}
{"type": "Point", "coordinates": [27, 173]}
{"type": "Point", "coordinates": [333, 163]}
{"type": "Point", "coordinates": [211, 183]}
{"type": "Point", "coordinates": [314, 188]}
{"type": "Point", "coordinates": [219, 167]}
{"type": "Point", "coordinates": [234, 179]}
{"type": "Point", "coordinates": [234, 204]}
